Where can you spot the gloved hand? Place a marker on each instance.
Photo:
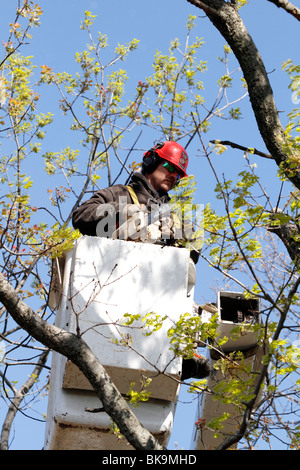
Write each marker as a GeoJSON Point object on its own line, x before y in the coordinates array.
{"type": "Point", "coordinates": [153, 232]}
{"type": "Point", "coordinates": [132, 223]}
{"type": "Point", "coordinates": [167, 228]}
{"type": "Point", "coordinates": [128, 211]}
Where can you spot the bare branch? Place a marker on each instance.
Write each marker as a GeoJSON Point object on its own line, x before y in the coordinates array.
{"type": "Point", "coordinates": [244, 149]}
{"type": "Point", "coordinates": [18, 397]}
{"type": "Point", "coordinates": [288, 7]}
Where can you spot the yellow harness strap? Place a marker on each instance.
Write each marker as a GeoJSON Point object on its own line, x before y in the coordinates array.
{"type": "Point", "coordinates": [133, 195]}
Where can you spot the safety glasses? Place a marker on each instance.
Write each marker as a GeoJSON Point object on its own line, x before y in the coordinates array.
{"type": "Point", "coordinates": [171, 169]}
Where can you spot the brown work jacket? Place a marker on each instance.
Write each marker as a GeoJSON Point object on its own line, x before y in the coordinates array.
{"type": "Point", "coordinates": [86, 216]}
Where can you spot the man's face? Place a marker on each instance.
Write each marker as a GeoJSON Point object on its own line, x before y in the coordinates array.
{"type": "Point", "coordinates": [162, 179]}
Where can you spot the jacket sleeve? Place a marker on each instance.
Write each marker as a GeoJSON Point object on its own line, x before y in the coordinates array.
{"type": "Point", "coordinates": [86, 217]}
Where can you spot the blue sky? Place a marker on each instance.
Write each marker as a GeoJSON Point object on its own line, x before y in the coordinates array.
{"type": "Point", "coordinates": [155, 23]}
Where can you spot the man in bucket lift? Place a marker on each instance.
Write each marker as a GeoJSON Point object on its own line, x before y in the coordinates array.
{"type": "Point", "coordinates": [118, 212]}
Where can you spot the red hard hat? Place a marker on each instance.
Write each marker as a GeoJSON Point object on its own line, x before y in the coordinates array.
{"type": "Point", "coordinates": [173, 153]}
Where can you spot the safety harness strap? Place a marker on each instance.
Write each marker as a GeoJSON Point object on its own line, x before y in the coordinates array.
{"type": "Point", "coordinates": [133, 195]}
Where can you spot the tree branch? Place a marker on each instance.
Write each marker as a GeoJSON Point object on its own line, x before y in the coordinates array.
{"type": "Point", "coordinates": [79, 353]}
{"type": "Point", "coordinates": [288, 7]}
{"type": "Point", "coordinates": [244, 149]}
{"type": "Point", "coordinates": [18, 397]}
{"type": "Point", "coordinates": [289, 235]}
{"type": "Point", "coordinates": [204, 6]}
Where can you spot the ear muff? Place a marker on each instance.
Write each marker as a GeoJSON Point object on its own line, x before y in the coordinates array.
{"type": "Point", "coordinates": [151, 160]}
